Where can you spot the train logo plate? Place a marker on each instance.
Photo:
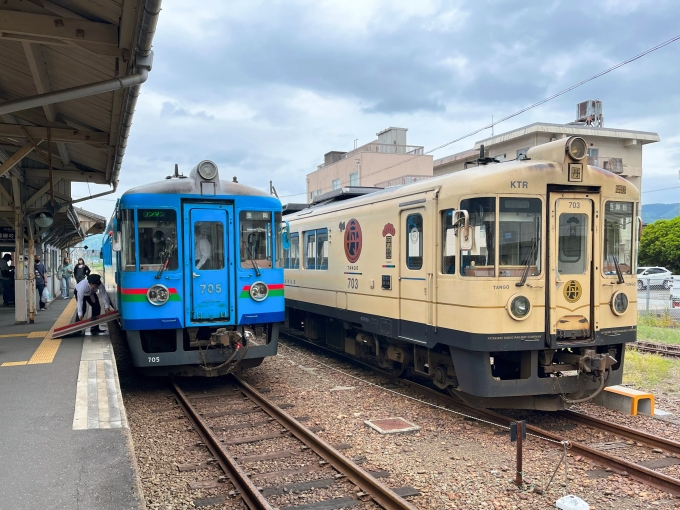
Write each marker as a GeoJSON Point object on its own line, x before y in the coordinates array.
{"type": "Point", "coordinates": [353, 241]}
{"type": "Point", "coordinates": [572, 291]}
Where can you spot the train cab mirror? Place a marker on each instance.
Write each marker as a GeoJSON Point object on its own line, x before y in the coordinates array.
{"type": "Point", "coordinates": [115, 242]}
{"type": "Point", "coordinates": [461, 221]}
{"type": "Point", "coordinates": [639, 230]}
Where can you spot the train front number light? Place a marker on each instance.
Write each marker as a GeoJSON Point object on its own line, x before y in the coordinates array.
{"type": "Point", "coordinates": [519, 307]}
{"type": "Point", "coordinates": [619, 303]}
{"type": "Point", "coordinates": [259, 291]}
{"type": "Point", "coordinates": [158, 295]}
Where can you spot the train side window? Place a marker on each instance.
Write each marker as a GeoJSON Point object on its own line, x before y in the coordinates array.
{"type": "Point", "coordinates": [281, 253]}
{"type": "Point", "coordinates": [322, 248]}
{"type": "Point", "coordinates": [519, 236]}
{"type": "Point", "coordinates": [128, 255]}
{"type": "Point", "coordinates": [448, 243]}
{"type": "Point", "coordinates": [480, 260]}
{"type": "Point", "coordinates": [256, 239]}
{"type": "Point", "coordinates": [294, 257]}
{"type": "Point", "coordinates": [618, 237]}
{"type": "Point", "coordinates": [209, 245]}
{"type": "Point", "coordinates": [310, 249]}
{"type": "Point", "coordinates": [414, 241]}
{"type": "Point", "coordinates": [573, 236]}
{"type": "Point", "coordinates": [157, 234]}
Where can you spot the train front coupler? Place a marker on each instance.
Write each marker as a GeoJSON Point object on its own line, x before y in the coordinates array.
{"type": "Point", "coordinates": [597, 366]}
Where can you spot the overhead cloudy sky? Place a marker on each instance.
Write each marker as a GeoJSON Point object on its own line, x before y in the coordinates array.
{"type": "Point", "coordinates": [265, 88]}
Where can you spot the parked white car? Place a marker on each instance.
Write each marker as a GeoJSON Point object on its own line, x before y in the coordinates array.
{"type": "Point", "coordinates": [654, 277]}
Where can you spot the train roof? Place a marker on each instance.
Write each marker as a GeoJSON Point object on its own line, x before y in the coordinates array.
{"type": "Point", "coordinates": [546, 166]}
{"type": "Point", "coordinates": [192, 185]}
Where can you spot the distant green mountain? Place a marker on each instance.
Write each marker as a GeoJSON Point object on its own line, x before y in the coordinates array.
{"type": "Point", "coordinates": [653, 212]}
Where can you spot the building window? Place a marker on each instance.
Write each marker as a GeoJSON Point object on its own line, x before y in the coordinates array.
{"type": "Point", "coordinates": [316, 249]}
{"type": "Point", "coordinates": [500, 157]}
{"type": "Point", "coordinates": [414, 241]}
{"type": "Point", "coordinates": [311, 195]}
{"type": "Point", "coordinates": [354, 179]}
{"type": "Point", "coordinates": [593, 153]}
{"type": "Point", "coordinates": [522, 153]}
{"type": "Point", "coordinates": [336, 184]}
{"type": "Point", "coordinates": [318, 193]}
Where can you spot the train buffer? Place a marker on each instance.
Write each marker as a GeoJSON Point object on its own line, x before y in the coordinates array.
{"type": "Point", "coordinates": [626, 400]}
{"type": "Point", "coordinates": [84, 324]}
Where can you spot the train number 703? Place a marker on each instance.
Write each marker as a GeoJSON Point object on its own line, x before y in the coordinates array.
{"type": "Point", "coordinates": [353, 283]}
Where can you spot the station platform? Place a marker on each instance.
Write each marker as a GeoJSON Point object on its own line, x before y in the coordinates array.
{"type": "Point", "coordinates": [63, 430]}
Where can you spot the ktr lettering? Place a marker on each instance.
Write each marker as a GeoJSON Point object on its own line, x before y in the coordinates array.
{"type": "Point", "coordinates": [519, 184]}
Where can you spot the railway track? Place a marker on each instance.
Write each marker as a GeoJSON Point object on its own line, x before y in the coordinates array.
{"type": "Point", "coordinates": [672, 351]}
{"type": "Point", "coordinates": [330, 467]}
{"type": "Point", "coordinates": [642, 473]}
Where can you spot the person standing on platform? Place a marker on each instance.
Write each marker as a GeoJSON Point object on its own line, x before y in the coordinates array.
{"type": "Point", "coordinates": [91, 291]}
{"type": "Point", "coordinates": [64, 272]}
{"type": "Point", "coordinates": [5, 279]}
{"type": "Point", "coordinates": [81, 271]}
{"type": "Point", "coordinates": [40, 271]}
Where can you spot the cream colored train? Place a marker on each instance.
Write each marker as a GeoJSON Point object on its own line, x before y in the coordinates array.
{"type": "Point", "coordinates": [509, 285]}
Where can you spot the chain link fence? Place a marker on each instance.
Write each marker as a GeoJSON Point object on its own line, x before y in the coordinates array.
{"type": "Point", "coordinates": [659, 297]}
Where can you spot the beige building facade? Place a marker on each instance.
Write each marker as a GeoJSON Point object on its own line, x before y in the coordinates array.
{"type": "Point", "coordinates": [616, 150]}
{"type": "Point", "coordinates": [387, 161]}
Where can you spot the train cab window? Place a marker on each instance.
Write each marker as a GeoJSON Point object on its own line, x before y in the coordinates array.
{"type": "Point", "coordinates": [519, 236]}
{"type": "Point", "coordinates": [618, 237]}
{"type": "Point", "coordinates": [480, 260]}
{"type": "Point", "coordinates": [448, 243]}
{"type": "Point", "coordinates": [157, 234]}
{"type": "Point", "coordinates": [209, 245]}
{"type": "Point", "coordinates": [414, 241]}
{"type": "Point", "coordinates": [316, 249]}
{"type": "Point", "coordinates": [281, 253]}
{"type": "Point", "coordinates": [573, 236]}
{"type": "Point", "coordinates": [128, 252]}
{"type": "Point", "coordinates": [256, 239]}
{"type": "Point", "coordinates": [294, 252]}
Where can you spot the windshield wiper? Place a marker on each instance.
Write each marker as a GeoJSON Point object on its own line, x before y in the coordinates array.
{"type": "Point", "coordinates": [619, 274]}
{"type": "Point", "coordinates": [252, 257]}
{"type": "Point", "coordinates": [164, 266]}
{"type": "Point", "coordinates": [531, 257]}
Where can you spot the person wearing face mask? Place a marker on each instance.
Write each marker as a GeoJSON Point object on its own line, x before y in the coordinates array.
{"type": "Point", "coordinates": [40, 271]}
{"type": "Point", "coordinates": [81, 271]}
{"type": "Point", "coordinates": [64, 272]}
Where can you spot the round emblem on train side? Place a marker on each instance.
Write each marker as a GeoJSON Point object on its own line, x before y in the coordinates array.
{"type": "Point", "coordinates": [572, 291]}
{"type": "Point", "coordinates": [353, 240]}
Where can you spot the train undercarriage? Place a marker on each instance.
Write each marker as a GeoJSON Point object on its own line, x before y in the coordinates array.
{"type": "Point", "coordinates": [543, 379]}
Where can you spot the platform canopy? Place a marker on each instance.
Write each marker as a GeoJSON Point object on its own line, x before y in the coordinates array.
{"type": "Point", "coordinates": [70, 74]}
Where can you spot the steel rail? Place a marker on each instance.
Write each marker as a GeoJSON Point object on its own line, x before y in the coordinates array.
{"type": "Point", "coordinates": [641, 473]}
{"type": "Point", "coordinates": [380, 493]}
{"type": "Point", "coordinates": [247, 490]}
{"type": "Point", "coordinates": [623, 431]}
{"type": "Point", "coordinates": [670, 350]}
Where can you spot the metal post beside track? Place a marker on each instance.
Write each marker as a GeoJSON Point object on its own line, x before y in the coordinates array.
{"type": "Point", "coordinates": [518, 432]}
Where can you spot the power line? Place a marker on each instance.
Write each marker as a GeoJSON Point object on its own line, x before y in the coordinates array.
{"type": "Point", "coordinates": [539, 103]}
{"type": "Point", "coordinates": [661, 189]}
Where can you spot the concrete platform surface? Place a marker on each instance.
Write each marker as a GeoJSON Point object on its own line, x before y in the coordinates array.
{"type": "Point", "coordinates": [64, 443]}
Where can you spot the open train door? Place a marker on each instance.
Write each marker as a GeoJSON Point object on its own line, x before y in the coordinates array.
{"type": "Point", "coordinates": [208, 281]}
{"type": "Point", "coordinates": [571, 254]}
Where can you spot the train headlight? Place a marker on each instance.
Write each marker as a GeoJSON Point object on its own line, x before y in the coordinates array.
{"type": "Point", "coordinates": [619, 303]}
{"type": "Point", "coordinates": [577, 148]}
{"type": "Point", "coordinates": [259, 291]}
{"type": "Point", "coordinates": [207, 170]}
{"type": "Point", "coordinates": [158, 295]}
{"type": "Point", "coordinates": [519, 307]}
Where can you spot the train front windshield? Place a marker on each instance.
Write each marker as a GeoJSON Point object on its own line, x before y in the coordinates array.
{"type": "Point", "coordinates": [256, 239]}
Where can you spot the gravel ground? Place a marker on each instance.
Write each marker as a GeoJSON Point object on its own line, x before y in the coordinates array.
{"type": "Point", "coordinates": [454, 461]}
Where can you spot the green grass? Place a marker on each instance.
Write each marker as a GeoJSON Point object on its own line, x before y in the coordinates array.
{"type": "Point", "coordinates": [651, 372]}
{"type": "Point", "coordinates": [658, 334]}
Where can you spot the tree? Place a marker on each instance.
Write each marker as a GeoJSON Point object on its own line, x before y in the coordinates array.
{"type": "Point", "coordinates": [660, 245]}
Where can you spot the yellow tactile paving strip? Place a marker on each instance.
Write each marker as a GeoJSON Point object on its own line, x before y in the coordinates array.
{"type": "Point", "coordinates": [14, 335]}
{"type": "Point", "coordinates": [48, 347]}
{"type": "Point", "coordinates": [38, 334]}
{"type": "Point", "coordinates": [13, 363]}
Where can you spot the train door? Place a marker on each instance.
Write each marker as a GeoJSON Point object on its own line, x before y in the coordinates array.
{"type": "Point", "coordinates": [571, 317]}
{"type": "Point", "coordinates": [414, 306]}
{"type": "Point", "coordinates": [210, 261]}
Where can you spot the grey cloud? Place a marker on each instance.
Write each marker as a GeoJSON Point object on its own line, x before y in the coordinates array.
{"type": "Point", "coordinates": [173, 110]}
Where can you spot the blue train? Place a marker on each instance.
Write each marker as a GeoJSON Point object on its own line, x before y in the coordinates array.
{"type": "Point", "coordinates": [194, 266]}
